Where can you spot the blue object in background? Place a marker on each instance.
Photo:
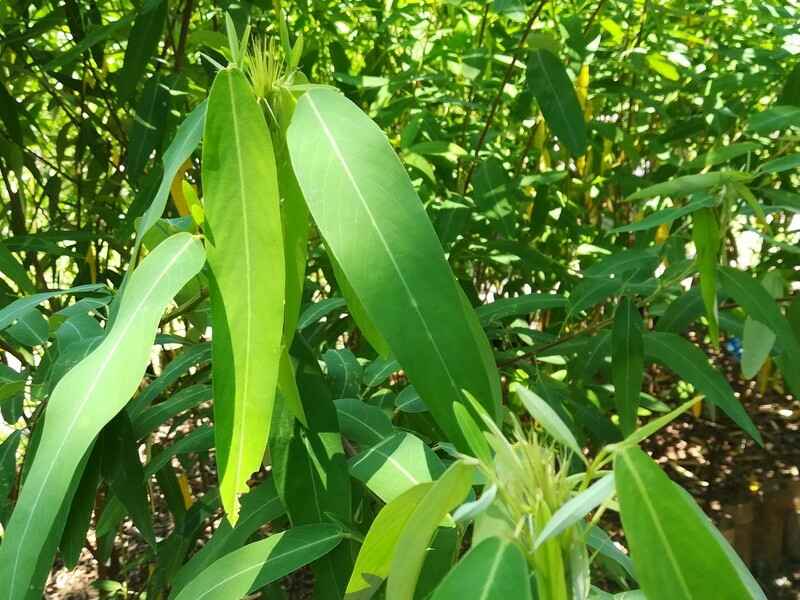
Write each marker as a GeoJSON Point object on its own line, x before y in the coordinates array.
{"type": "Point", "coordinates": [734, 348]}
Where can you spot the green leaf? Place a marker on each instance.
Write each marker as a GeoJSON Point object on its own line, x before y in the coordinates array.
{"type": "Point", "coordinates": [547, 79]}
{"type": "Point", "coordinates": [179, 402]}
{"type": "Point", "coordinates": [668, 215]}
{"type": "Point", "coordinates": [676, 550]}
{"type": "Point", "coordinates": [148, 126]}
{"type": "Point", "coordinates": [362, 423]}
{"type": "Point", "coordinates": [245, 254]}
{"type": "Point", "coordinates": [317, 310]}
{"type": "Point", "coordinates": [409, 401]}
{"type": "Point", "coordinates": [445, 494]}
{"type": "Point", "coordinates": [691, 364]}
{"type": "Point", "coordinates": [143, 39]}
{"type": "Point", "coordinates": [662, 66]}
{"type": "Point", "coordinates": [473, 434]}
{"type": "Point", "coordinates": [707, 240]}
{"type": "Point", "coordinates": [252, 567]}
{"type": "Point", "coordinates": [13, 269]}
{"type": "Point", "coordinates": [395, 264]}
{"type": "Point", "coordinates": [576, 508]}
{"type": "Point", "coordinates": [627, 362]}
{"type": "Point", "coordinates": [14, 311]}
{"type": "Point", "coordinates": [784, 163]}
{"type": "Point", "coordinates": [186, 139]}
{"type": "Point", "coordinates": [772, 119]}
{"type": "Point", "coordinates": [87, 398]}
{"type": "Point", "coordinates": [495, 569]}
{"type": "Point", "coordinates": [521, 305]}
{"type": "Point", "coordinates": [688, 184]}
{"type": "Point", "coordinates": [261, 505]}
{"type": "Point", "coordinates": [395, 464]}
{"type": "Point", "coordinates": [757, 302]}
{"type": "Point", "coordinates": [757, 338]}
{"type": "Point", "coordinates": [542, 412]}
{"type": "Point", "coordinates": [344, 372]}
{"type": "Point", "coordinates": [375, 556]}
{"type": "Point", "coordinates": [8, 471]}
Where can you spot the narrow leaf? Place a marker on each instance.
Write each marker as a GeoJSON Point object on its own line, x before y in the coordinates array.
{"type": "Point", "coordinates": [627, 362]}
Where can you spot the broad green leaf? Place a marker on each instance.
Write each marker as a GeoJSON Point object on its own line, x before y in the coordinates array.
{"type": "Point", "coordinates": [549, 419]}
{"type": "Point", "coordinates": [675, 549]}
{"type": "Point", "coordinates": [261, 505]}
{"type": "Point", "coordinates": [521, 305]}
{"type": "Point", "coordinates": [690, 363]}
{"type": "Point", "coordinates": [30, 329]}
{"type": "Point", "coordinates": [687, 184]}
{"type": "Point", "coordinates": [547, 79]}
{"type": "Point", "coordinates": [379, 371]}
{"type": "Point", "coordinates": [707, 240]}
{"type": "Point", "coordinates": [627, 362]}
{"type": "Point", "coordinates": [445, 494]}
{"type": "Point", "coordinates": [395, 265]}
{"type": "Point", "coordinates": [668, 215]}
{"type": "Point", "coordinates": [362, 423]}
{"type": "Point", "coordinates": [143, 39]}
{"type": "Point", "coordinates": [375, 556]}
{"type": "Point", "coordinates": [772, 119]}
{"type": "Point", "coordinates": [245, 254]}
{"type": "Point", "coordinates": [757, 302]}
{"type": "Point", "coordinates": [409, 401]}
{"type": "Point", "coordinates": [576, 508]}
{"type": "Point", "coordinates": [495, 569]}
{"type": "Point", "coordinates": [87, 398]}
{"type": "Point", "coordinates": [757, 338]}
{"type": "Point", "coordinates": [253, 566]}
{"type": "Point", "coordinates": [396, 464]}
{"type": "Point", "coordinates": [344, 372]}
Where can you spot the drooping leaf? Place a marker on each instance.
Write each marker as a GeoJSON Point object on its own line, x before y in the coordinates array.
{"type": "Point", "coordinates": [676, 550]}
{"type": "Point", "coordinates": [259, 506]}
{"type": "Point", "coordinates": [148, 126]}
{"type": "Point", "coordinates": [690, 363]}
{"type": "Point", "coordinates": [687, 184]}
{"type": "Point", "coordinates": [549, 82]}
{"type": "Point", "coordinates": [627, 362]}
{"type": "Point", "coordinates": [667, 215]}
{"type": "Point", "coordinates": [142, 43]}
{"type": "Point", "coordinates": [521, 305]}
{"type": "Point", "coordinates": [85, 400]}
{"type": "Point", "coordinates": [495, 569]}
{"type": "Point", "coordinates": [253, 566]}
{"type": "Point", "coordinates": [774, 118]}
{"type": "Point", "coordinates": [395, 265]}
{"type": "Point", "coordinates": [245, 254]}
{"type": "Point", "coordinates": [14, 311]}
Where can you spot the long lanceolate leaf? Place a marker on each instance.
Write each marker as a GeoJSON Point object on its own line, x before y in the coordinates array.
{"type": "Point", "coordinates": [376, 228]}
{"type": "Point", "coordinates": [245, 253]}
{"type": "Point", "coordinates": [675, 548]}
{"type": "Point", "coordinates": [260, 563]}
{"type": "Point", "coordinates": [627, 362]}
{"type": "Point", "coordinates": [85, 400]}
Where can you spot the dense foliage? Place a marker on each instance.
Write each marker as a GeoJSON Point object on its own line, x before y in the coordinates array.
{"type": "Point", "coordinates": [376, 287]}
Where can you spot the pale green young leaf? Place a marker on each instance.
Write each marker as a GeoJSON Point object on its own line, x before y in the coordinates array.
{"type": "Point", "coordinates": [87, 398]}
{"type": "Point", "coordinates": [445, 494]}
{"type": "Point", "coordinates": [549, 419]}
